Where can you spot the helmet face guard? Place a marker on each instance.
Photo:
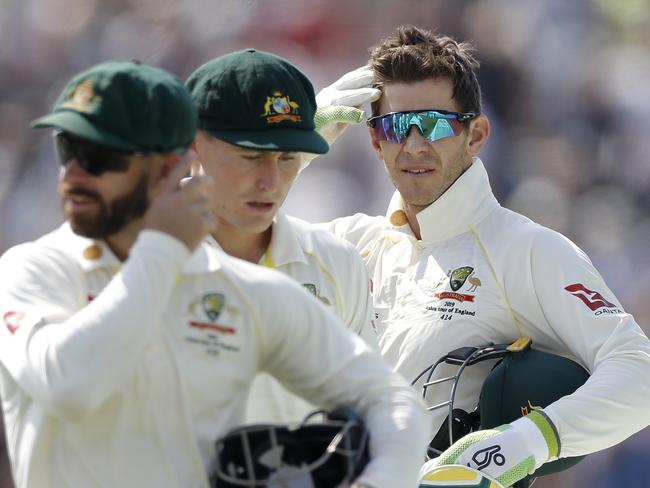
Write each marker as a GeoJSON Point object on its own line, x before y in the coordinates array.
{"type": "Point", "coordinates": [311, 455]}
{"type": "Point", "coordinates": [522, 381]}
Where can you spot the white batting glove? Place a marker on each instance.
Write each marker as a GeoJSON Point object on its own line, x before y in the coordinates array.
{"type": "Point", "coordinates": [507, 453]}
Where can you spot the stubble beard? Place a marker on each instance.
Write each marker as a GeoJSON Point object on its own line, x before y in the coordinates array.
{"type": "Point", "coordinates": [449, 174]}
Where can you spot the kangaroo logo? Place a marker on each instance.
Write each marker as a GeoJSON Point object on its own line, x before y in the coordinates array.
{"type": "Point", "coordinates": [592, 299]}
{"type": "Point", "coordinates": [485, 457]}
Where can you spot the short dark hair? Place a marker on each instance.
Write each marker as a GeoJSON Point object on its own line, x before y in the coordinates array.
{"type": "Point", "coordinates": [415, 54]}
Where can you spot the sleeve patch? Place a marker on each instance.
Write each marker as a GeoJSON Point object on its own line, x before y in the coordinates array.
{"type": "Point", "coordinates": [592, 299]}
{"type": "Point", "coordinates": [13, 320]}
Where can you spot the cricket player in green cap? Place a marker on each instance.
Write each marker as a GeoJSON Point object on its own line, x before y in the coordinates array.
{"type": "Point", "coordinates": [128, 344]}
{"type": "Point", "coordinates": [256, 131]}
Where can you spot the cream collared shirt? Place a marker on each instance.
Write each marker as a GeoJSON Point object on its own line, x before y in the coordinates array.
{"type": "Point", "coordinates": [331, 270]}
{"type": "Point", "coordinates": [443, 292]}
{"type": "Point", "coordinates": [125, 374]}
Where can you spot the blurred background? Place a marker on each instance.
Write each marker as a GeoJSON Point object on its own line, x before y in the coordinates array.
{"type": "Point", "coordinates": [565, 84]}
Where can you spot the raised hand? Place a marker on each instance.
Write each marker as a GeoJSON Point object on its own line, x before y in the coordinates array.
{"type": "Point", "coordinates": [183, 211]}
{"type": "Point", "coordinates": [339, 103]}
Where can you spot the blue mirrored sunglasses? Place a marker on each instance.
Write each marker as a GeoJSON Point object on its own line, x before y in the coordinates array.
{"type": "Point", "coordinates": [433, 124]}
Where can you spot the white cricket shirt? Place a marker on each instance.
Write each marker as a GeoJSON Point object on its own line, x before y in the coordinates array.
{"type": "Point", "coordinates": [443, 292]}
{"type": "Point", "coordinates": [329, 268]}
{"type": "Point", "coordinates": [125, 374]}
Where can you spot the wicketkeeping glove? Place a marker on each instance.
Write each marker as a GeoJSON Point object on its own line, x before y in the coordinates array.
{"type": "Point", "coordinates": [339, 103]}
{"type": "Point", "coordinates": [507, 453]}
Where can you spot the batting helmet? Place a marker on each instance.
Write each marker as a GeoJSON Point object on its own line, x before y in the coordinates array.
{"type": "Point", "coordinates": [314, 455]}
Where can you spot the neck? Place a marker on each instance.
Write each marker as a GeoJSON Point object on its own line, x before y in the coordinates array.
{"type": "Point", "coordinates": [411, 213]}
{"type": "Point", "coordinates": [121, 242]}
{"type": "Point", "coordinates": [242, 244]}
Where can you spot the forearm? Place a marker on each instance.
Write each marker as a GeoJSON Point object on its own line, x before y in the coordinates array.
{"type": "Point", "coordinates": [72, 366]}
{"type": "Point", "coordinates": [610, 407]}
{"type": "Point", "coordinates": [400, 431]}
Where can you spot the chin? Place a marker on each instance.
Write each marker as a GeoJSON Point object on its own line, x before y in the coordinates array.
{"type": "Point", "coordinates": [253, 226]}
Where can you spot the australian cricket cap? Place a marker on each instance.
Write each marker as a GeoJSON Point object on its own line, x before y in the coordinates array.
{"type": "Point", "coordinates": [257, 100]}
{"type": "Point", "coordinates": [126, 105]}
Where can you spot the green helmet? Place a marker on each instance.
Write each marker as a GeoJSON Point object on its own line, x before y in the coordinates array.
{"type": "Point", "coordinates": [524, 380]}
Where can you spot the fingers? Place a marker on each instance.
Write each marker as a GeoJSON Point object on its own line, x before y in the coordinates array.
{"type": "Point", "coordinates": [359, 78]}
{"type": "Point", "coordinates": [353, 89]}
{"type": "Point", "coordinates": [196, 168]}
{"type": "Point", "coordinates": [357, 97]}
{"type": "Point", "coordinates": [173, 179]}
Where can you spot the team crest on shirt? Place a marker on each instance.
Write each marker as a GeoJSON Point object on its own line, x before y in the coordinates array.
{"type": "Point", "coordinates": [204, 332]}
{"type": "Point", "coordinates": [311, 288]}
{"type": "Point", "coordinates": [279, 107]}
{"type": "Point", "coordinates": [463, 277]}
{"type": "Point", "coordinates": [455, 302]}
{"type": "Point", "coordinates": [458, 276]}
{"type": "Point", "coordinates": [213, 305]}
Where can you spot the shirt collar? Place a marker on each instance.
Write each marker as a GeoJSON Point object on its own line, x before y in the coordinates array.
{"type": "Point", "coordinates": [204, 259]}
{"type": "Point", "coordinates": [92, 254]}
{"type": "Point", "coordinates": [465, 203]}
{"type": "Point", "coordinates": [286, 246]}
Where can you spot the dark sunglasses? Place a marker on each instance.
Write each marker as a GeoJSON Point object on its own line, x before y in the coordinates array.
{"type": "Point", "coordinates": [93, 158]}
{"type": "Point", "coordinates": [433, 124]}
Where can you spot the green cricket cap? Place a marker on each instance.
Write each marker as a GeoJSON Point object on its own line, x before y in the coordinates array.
{"type": "Point", "coordinates": [128, 106]}
{"type": "Point", "coordinates": [525, 382]}
{"type": "Point", "coordinates": [257, 100]}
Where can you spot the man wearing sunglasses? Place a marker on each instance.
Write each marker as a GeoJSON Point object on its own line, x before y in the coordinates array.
{"type": "Point", "coordinates": [452, 268]}
{"type": "Point", "coordinates": [128, 344]}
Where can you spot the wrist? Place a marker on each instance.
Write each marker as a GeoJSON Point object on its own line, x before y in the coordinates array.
{"type": "Point", "coordinates": [540, 436]}
{"type": "Point", "coordinates": [328, 115]}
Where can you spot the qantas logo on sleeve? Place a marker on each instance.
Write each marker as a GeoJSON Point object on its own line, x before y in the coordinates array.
{"type": "Point", "coordinates": [592, 299]}
{"type": "Point", "coordinates": [13, 320]}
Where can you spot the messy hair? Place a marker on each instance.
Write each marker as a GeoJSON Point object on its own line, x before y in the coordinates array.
{"type": "Point", "coordinates": [415, 54]}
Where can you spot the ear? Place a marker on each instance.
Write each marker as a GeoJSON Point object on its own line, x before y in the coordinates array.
{"type": "Point", "coordinates": [375, 144]}
{"type": "Point", "coordinates": [479, 131]}
{"type": "Point", "coordinates": [166, 164]}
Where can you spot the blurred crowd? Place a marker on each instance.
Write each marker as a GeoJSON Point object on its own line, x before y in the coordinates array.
{"type": "Point", "coordinates": [563, 84]}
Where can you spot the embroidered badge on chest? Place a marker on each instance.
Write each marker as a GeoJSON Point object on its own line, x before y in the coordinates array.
{"type": "Point", "coordinates": [311, 288]}
{"type": "Point", "coordinates": [212, 334]}
{"type": "Point", "coordinates": [464, 284]}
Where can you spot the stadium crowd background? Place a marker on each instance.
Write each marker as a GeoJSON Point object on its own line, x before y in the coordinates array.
{"type": "Point", "coordinates": [565, 84]}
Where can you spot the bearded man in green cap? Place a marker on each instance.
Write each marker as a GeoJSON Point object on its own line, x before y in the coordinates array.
{"type": "Point", "coordinates": [128, 344]}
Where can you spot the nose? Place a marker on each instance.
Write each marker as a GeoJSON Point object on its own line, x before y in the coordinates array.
{"type": "Point", "coordinates": [415, 142]}
{"type": "Point", "coordinates": [268, 174]}
{"type": "Point", "coordinates": [71, 169]}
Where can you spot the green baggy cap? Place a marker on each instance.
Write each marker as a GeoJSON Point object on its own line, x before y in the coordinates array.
{"type": "Point", "coordinates": [126, 105]}
{"type": "Point", "coordinates": [257, 100]}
